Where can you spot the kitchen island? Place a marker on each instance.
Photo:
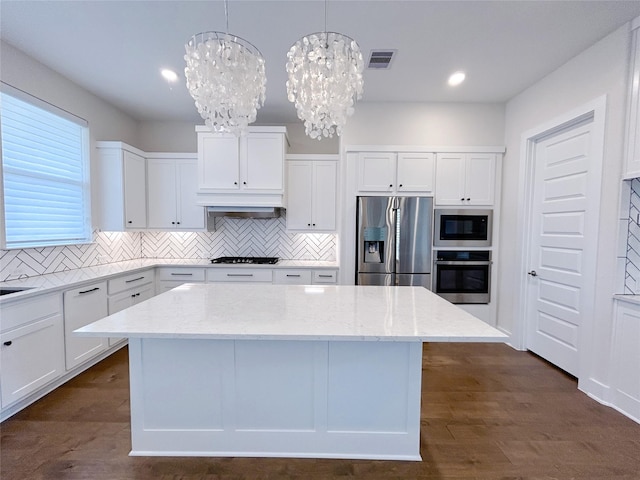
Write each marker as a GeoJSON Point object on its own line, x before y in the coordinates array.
{"type": "Point", "coordinates": [283, 370]}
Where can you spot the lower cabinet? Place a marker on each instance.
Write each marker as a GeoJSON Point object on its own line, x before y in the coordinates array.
{"type": "Point", "coordinates": [625, 380]}
{"type": "Point", "coordinates": [245, 275]}
{"type": "Point", "coordinates": [172, 277]}
{"type": "Point", "coordinates": [294, 277]}
{"type": "Point", "coordinates": [31, 346]}
{"type": "Point", "coordinates": [82, 306]}
{"type": "Point", "coordinates": [304, 277]}
{"type": "Point", "coordinates": [128, 290]}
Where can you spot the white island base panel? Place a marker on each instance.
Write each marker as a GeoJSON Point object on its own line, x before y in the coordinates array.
{"type": "Point", "coordinates": [279, 398]}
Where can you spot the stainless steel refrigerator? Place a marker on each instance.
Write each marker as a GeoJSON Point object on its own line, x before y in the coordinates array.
{"type": "Point", "coordinates": [394, 237]}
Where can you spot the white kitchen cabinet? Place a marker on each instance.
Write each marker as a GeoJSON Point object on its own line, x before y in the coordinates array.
{"type": "Point", "coordinates": [241, 171]}
{"type": "Point", "coordinates": [304, 276]}
{"type": "Point", "coordinates": [128, 290]}
{"type": "Point", "coordinates": [121, 187]}
{"type": "Point", "coordinates": [171, 194]}
{"type": "Point", "coordinates": [312, 191]}
{"type": "Point", "coordinates": [625, 378]}
{"type": "Point", "coordinates": [396, 173]}
{"type": "Point", "coordinates": [172, 277]}
{"type": "Point", "coordinates": [31, 346]}
{"type": "Point", "coordinates": [324, 276]}
{"type": "Point", "coordinates": [632, 147]}
{"type": "Point", "coordinates": [292, 277]}
{"type": "Point", "coordinates": [465, 178]}
{"type": "Point", "coordinates": [240, 275]}
{"type": "Point", "coordinates": [82, 306]}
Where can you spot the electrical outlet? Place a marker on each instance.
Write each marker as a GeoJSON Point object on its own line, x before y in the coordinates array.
{"type": "Point", "coordinates": [98, 258]}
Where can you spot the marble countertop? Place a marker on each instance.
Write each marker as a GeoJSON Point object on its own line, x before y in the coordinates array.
{"type": "Point", "coordinates": [295, 312]}
{"type": "Point", "coordinates": [52, 282]}
{"type": "Point", "coordinates": [635, 299]}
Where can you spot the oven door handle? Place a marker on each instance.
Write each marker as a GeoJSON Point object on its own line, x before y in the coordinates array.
{"type": "Point", "coordinates": [463, 262]}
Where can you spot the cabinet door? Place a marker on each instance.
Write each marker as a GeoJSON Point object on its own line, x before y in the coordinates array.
{"type": "Point", "coordinates": [450, 179]}
{"type": "Point", "coordinates": [31, 356]}
{"type": "Point", "coordinates": [376, 172]}
{"type": "Point", "coordinates": [135, 196]}
{"type": "Point", "coordinates": [480, 176]}
{"type": "Point", "coordinates": [263, 165]}
{"type": "Point", "coordinates": [190, 216]}
{"type": "Point", "coordinates": [325, 192]}
{"type": "Point", "coordinates": [300, 195]}
{"type": "Point", "coordinates": [218, 164]}
{"type": "Point", "coordinates": [625, 381]}
{"type": "Point", "coordinates": [415, 173]}
{"type": "Point", "coordinates": [162, 193]}
{"type": "Point", "coordinates": [82, 306]}
{"type": "Point", "coordinates": [633, 115]}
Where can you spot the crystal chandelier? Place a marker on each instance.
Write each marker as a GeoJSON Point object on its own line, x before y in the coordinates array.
{"type": "Point", "coordinates": [325, 79]}
{"type": "Point", "coordinates": [225, 75]}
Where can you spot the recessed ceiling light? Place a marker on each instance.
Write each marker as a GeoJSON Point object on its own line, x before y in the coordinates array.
{"type": "Point", "coordinates": [456, 78]}
{"type": "Point", "coordinates": [169, 75]}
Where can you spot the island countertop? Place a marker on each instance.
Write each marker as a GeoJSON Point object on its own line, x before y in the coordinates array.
{"type": "Point", "coordinates": [295, 312]}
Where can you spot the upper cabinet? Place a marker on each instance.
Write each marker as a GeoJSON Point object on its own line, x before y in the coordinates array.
{"type": "Point", "coordinates": [396, 173]}
{"type": "Point", "coordinates": [465, 178]}
{"type": "Point", "coordinates": [633, 114]}
{"type": "Point", "coordinates": [244, 171]}
{"type": "Point", "coordinates": [312, 191]}
{"type": "Point", "coordinates": [172, 181]}
{"type": "Point", "coordinates": [121, 186]}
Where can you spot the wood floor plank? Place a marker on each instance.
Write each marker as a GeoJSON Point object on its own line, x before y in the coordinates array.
{"type": "Point", "coordinates": [488, 413]}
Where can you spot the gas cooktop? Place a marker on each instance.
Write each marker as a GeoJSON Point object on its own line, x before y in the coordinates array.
{"type": "Point", "coordinates": [247, 260]}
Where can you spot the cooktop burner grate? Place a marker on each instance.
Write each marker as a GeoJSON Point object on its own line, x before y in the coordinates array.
{"type": "Point", "coordinates": [247, 260]}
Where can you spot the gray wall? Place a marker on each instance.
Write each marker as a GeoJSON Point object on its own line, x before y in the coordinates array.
{"type": "Point", "coordinates": [600, 70]}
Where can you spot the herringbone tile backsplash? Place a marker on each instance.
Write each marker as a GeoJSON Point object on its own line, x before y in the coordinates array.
{"type": "Point", "coordinates": [233, 237]}
{"type": "Point", "coordinates": [632, 266]}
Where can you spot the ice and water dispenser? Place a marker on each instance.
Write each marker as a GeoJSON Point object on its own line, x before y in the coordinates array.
{"type": "Point", "coordinates": [374, 238]}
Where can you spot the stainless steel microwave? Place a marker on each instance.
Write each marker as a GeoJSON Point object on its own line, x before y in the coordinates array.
{"type": "Point", "coordinates": [462, 227]}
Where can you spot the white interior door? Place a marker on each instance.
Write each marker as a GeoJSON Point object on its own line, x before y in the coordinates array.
{"type": "Point", "coordinates": [561, 252]}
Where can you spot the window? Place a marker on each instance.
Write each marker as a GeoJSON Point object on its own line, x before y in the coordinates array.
{"type": "Point", "coordinates": [45, 170]}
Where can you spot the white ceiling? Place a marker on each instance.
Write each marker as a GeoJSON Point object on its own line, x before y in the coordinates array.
{"type": "Point", "coordinates": [115, 49]}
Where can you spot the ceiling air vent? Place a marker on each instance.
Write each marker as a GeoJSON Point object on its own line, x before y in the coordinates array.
{"type": "Point", "coordinates": [381, 59]}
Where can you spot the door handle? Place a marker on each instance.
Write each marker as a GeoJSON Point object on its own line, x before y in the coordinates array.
{"type": "Point", "coordinates": [533, 273]}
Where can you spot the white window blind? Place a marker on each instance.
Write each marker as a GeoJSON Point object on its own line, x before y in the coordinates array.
{"type": "Point", "coordinates": [45, 175]}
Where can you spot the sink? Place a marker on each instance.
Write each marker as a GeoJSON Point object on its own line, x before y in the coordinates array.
{"type": "Point", "coordinates": [8, 290]}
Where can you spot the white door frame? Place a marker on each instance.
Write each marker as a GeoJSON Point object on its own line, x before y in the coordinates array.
{"type": "Point", "coordinates": [595, 110]}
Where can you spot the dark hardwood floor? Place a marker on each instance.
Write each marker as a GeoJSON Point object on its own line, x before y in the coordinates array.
{"type": "Point", "coordinates": [488, 413]}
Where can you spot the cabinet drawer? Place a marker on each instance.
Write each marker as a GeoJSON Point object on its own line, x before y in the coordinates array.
{"type": "Point", "coordinates": [129, 281]}
{"type": "Point", "coordinates": [325, 276]}
{"type": "Point", "coordinates": [295, 277]}
{"type": "Point", "coordinates": [240, 275]}
{"type": "Point", "coordinates": [126, 299]}
{"type": "Point", "coordinates": [22, 312]}
{"type": "Point", "coordinates": [183, 274]}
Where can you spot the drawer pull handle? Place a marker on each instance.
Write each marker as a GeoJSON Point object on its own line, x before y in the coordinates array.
{"type": "Point", "coordinates": [90, 290]}
{"type": "Point", "coordinates": [134, 280]}
{"type": "Point", "coordinates": [325, 276]}
{"type": "Point", "coordinates": [239, 274]}
{"type": "Point", "coordinates": [183, 274]}
{"type": "Point", "coordinates": [291, 275]}
{"type": "Point", "coordinates": [8, 344]}
{"type": "Point", "coordinates": [135, 295]}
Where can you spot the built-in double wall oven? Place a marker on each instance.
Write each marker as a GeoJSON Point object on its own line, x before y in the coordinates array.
{"type": "Point", "coordinates": [463, 276]}
{"type": "Point", "coordinates": [462, 272]}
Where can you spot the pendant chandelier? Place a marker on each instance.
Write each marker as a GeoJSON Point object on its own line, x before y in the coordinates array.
{"type": "Point", "coordinates": [225, 75]}
{"type": "Point", "coordinates": [325, 80]}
